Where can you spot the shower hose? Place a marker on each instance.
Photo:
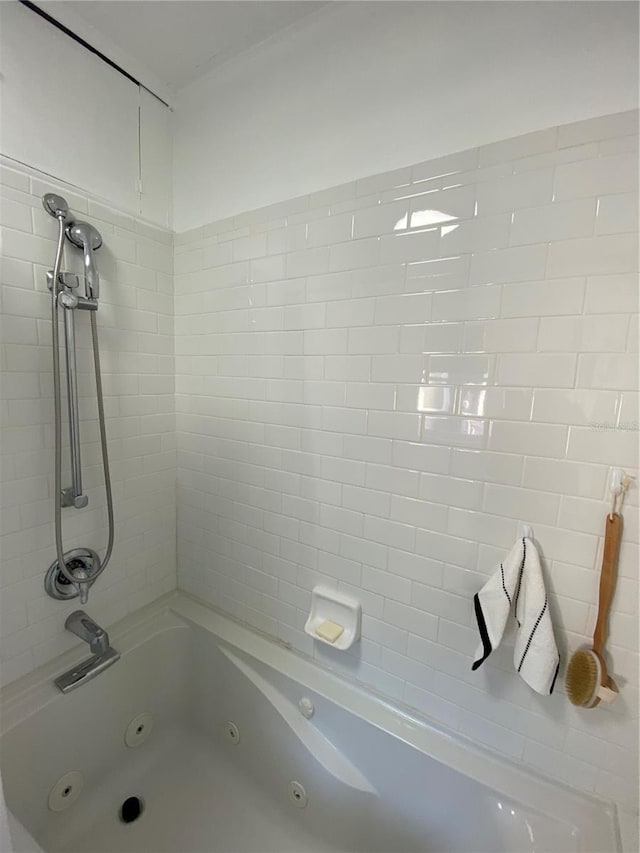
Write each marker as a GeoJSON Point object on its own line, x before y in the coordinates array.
{"type": "Point", "coordinates": [79, 577]}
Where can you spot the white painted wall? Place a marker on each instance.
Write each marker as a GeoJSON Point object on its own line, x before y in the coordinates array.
{"type": "Point", "coordinates": [156, 160]}
{"type": "Point", "coordinates": [67, 113]}
{"type": "Point", "coordinates": [365, 87]}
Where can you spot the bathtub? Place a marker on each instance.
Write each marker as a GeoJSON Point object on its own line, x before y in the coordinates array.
{"type": "Point", "coordinates": [207, 736]}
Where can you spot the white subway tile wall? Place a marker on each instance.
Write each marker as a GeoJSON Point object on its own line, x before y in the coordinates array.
{"type": "Point", "coordinates": [377, 383]}
{"type": "Point", "coordinates": [135, 322]}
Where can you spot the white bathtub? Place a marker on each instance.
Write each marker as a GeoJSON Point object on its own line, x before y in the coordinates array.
{"type": "Point", "coordinates": [376, 778]}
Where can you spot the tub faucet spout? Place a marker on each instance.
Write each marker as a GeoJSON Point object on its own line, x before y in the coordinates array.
{"type": "Point", "coordinates": [103, 656]}
{"type": "Point", "coordinates": [84, 627]}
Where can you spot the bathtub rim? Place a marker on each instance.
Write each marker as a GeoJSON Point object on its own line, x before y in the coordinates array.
{"type": "Point", "coordinates": [180, 611]}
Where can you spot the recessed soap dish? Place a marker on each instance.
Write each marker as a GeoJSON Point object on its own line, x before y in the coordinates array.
{"type": "Point", "coordinates": [330, 605]}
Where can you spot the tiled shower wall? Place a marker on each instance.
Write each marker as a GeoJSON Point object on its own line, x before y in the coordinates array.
{"type": "Point", "coordinates": [135, 323]}
{"type": "Point", "coordinates": [377, 383]}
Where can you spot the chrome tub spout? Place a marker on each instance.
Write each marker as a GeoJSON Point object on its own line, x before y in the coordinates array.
{"type": "Point", "coordinates": [103, 657]}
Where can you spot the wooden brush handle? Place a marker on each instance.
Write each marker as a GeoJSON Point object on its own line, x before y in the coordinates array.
{"type": "Point", "coordinates": [612, 537]}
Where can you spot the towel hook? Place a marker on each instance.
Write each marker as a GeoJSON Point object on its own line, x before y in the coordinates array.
{"type": "Point", "coordinates": [620, 482]}
{"type": "Point", "coordinates": [526, 532]}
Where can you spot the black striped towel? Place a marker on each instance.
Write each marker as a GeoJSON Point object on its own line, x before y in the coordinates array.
{"type": "Point", "coordinates": [517, 586]}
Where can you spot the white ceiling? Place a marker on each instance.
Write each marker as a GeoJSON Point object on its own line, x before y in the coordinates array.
{"type": "Point", "coordinates": [179, 40]}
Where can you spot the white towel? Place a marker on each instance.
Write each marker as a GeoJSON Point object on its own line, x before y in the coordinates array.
{"type": "Point", "coordinates": [518, 585]}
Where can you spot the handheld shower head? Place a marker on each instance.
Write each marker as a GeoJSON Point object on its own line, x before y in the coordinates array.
{"type": "Point", "coordinates": [86, 237]}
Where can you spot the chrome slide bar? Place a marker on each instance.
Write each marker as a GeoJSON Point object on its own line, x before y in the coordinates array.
{"type": "Point", "coordinates": [77, 498]}
{"type": "Point", "coordinates": [73, 572]}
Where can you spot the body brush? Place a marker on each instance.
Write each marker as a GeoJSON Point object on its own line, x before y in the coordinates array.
{"type": "Point", "coordinates": [587, 680]}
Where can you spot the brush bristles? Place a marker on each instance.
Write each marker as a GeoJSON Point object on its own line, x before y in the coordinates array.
{"type": "Point", "coordinates": [581, 678]}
